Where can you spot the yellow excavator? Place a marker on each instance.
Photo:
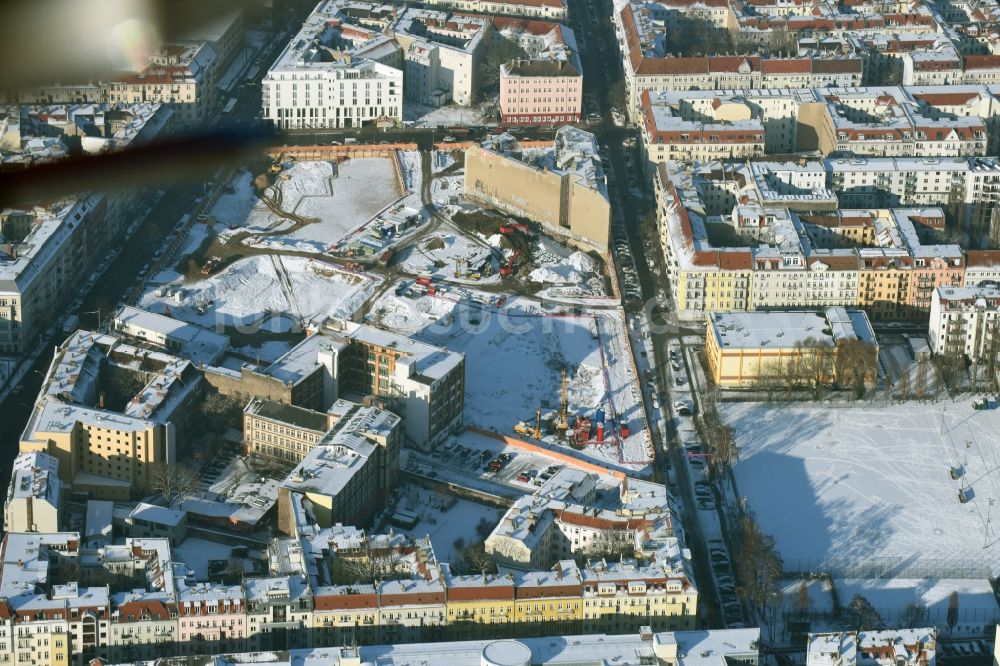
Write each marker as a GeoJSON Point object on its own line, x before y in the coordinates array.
{"type": "Point", "coordinates": [523, 428]}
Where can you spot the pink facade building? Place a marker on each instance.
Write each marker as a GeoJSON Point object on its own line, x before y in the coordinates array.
{"type": "Point", "coordinates": [540, 92]}
{"type": "Point", "coordinates": [546, 89]}
{"type": "Point", "coordinates": [211, 618]}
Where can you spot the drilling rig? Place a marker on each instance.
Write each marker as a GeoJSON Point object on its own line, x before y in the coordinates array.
{"type": "Point", "coordinates": [563, 422]}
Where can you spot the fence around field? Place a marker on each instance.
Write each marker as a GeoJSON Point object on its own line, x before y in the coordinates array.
{"type": "Point", "coordinates": [961, 567]}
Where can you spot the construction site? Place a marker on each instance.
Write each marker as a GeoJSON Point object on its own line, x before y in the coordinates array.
{"type": "Point", "coordinates": [368, 235]}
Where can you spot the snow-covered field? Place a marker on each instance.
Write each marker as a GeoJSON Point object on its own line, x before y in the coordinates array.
{"type": "Point", "coordinates": [242, 209]}
{"type": "Point", "coordinates": [447, 190]}
{"type": "Point", "coordinates": [890, 597]}
{"type": "Point", "coordinates": [342, 196]}
{"type": "Point", "coordinates": [868, 489]}
{"type": "Point", "coordinates": [515, 354]}
{"type": "Point", "coordinates": [445, 519]}
{"type": "Point", "coordinates": [273, 293]}
{"type": "Point", "coordinates": [429, 116]}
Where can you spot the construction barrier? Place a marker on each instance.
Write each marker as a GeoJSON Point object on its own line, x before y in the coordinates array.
{"type": "Point", "coordinates": [548, 453]}
{"type": "Point", "coordinates": [355, 150]}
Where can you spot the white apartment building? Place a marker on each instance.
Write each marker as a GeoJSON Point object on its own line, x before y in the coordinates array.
{"type": "Point", "coordinates": [305, 88]}
{"type": "Point", "coordinates": [964, 321]}
{"type": "Point", "coordinates": [442, 52]}
{"type": "Point", "coordinates": [548, 9]}
{"type": "Point", "coordinates": [34, 494]}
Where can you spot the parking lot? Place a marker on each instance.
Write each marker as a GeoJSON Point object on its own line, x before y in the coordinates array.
{"type": "Point", "coordinates": [478, 461]}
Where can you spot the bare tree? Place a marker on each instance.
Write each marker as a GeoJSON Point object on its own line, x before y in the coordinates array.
{"type": "Point", "coordinates": [759, 570]}
{"type": "Point", "coordinates": [474, 559]}
{"type": "Point", "coordinates": [802, 598]}
{"type": "Point", "coordinates": [903, 388]}
{"type": "Point", "coordinates": [501, 51]}
{"type": "Point", "coordinates": [769, 378]}
{"type": "Point", "coordinates": [793, 371]}
{"type": "Point", "coordinates": [611, 545]}
{"type": "Point", "coordinates": [952, 610]}
{"type": "Point", "coordinates": [950, 366]}
{"type": "Point", "coordinates": [717, 437]}
{"type": "Point", "coordinates": [174, 481]}
{"type": "Point", "coordinates": [855, 364]}
{"type": "Point", "coordinates": [863, 616]}
{"type": "Point", "coordinates": [373, 561]}
{"type": "Point", "coordinates": [913, 615]}
{"type": "Point", "coordinates": [817, 364]}
{"type": "Point", "coordinates": [920, 382]}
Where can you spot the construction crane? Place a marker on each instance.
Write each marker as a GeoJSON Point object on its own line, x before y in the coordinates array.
{"type": "Point", "coordinates": [459, 267]}
{"type": "Point", "coordinates": [563, 422]}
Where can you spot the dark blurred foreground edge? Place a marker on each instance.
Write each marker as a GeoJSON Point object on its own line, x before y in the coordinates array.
{"type": "Point", "coordinates": [187, 155]}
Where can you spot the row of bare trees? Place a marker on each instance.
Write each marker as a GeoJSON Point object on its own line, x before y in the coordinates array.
{"type": "Point", "coordinates": [817, 367]}
{"type": "Point", "coordinates": [717, 438]}
{"type": "Point", "coordinates": [759, 571]}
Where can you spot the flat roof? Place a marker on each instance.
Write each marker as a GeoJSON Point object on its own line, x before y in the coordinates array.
{"type": "Point", "coordinates": [693, 648]}
{"type": "Point", "coordinates": [198, 344]}
{"type": "Point", "coordinates": [784, 330]}
{"type": "Point", "coordinates": [290, 414]}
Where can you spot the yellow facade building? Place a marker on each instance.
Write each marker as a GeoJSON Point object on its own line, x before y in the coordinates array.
{"type": "Point", "coordinates": [744, 348]}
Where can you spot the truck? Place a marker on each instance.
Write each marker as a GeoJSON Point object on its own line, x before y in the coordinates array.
{"type": "Point", "coordinates": [425, 281]}
{"type": "Point", "coordinates": [70, 324]}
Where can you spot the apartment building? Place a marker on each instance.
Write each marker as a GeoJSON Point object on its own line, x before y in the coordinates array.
{"type": "Point", "coordinates": [279, 612]}
{"type": "Point", "coordinates": [138, 600]}
{"type": "Point", "coordinates": [183, 76]}
{"type": "Point", "coordinates": [224, 33]}
{"type": "Point", "coordinates": [52, 614]}
{"type": "Point", "coordinates": [48, 250]}
{"type": "Point", "coordinates": [964, 322]}
{"type": "Point", "coordinates": [563, 189]}
{"type": "Point", "coordinates": [423, 384]}
{"type": "Point", "coordinates": [211, 617]}
{"type": "Point", "coordinates": [807, 251]}
{"type": "Point", "coordinates": [883, 122]}
{"type": "Point", "coordinates": [320, 81]}
{"type": "Point", "coordinates": [546, 89]}
{"type": "Point", "coordinates": [281, 431]}
{"type": "Point", "coordinates": [347, 475]}
{"type": "Point", "coordinates": [442, 51]}
{"type": "Point", "coordinates": [982, 267]}
{"type": "Point", "coordinates": [34, 496]}
{"type": "Point", "coordinates": [931, 121]}
{"type": "Point", "coordinates": [109, 444]}
{"type": "Point", "coordinates": [347, 65]}
{"type": "Point", "coordinates": [561, 521]}
{"type": "Point", "coordinates": [681, 648]}
{"type": "Point", "coordinates": [744, 348]}
{"type": "Point", "coordinates": [892, 647]}
{"type": "Point", "coordinates": [703, 129]}
{"type": "Point", "coordinates": [544, 9]}
{"type": "Point", "coordinates": [649, 66]}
